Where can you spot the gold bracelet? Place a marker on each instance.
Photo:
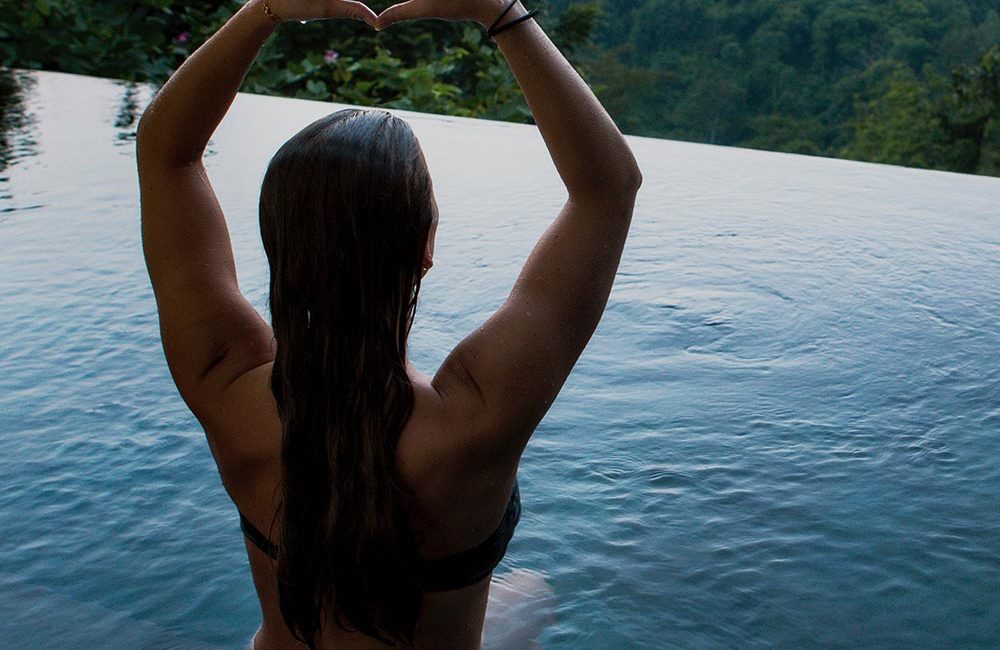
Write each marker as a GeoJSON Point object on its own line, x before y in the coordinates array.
{"type": "Point", "coordinates": [274, 18]}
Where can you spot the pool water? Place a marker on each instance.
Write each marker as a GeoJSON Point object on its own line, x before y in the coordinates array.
{"type": "Point", "coordinates": [784, 432]}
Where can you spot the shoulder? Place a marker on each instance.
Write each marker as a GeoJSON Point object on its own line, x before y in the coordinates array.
{"type": "Point", "coordinates": [449, 433]}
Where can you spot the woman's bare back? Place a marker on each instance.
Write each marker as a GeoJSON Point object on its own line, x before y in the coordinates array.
{"type": "Point", "coordinates": [454, 508]}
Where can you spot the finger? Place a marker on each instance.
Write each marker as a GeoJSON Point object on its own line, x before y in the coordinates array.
{"type": "Point", "coordinates": [410, 10]}
{"type": "Point", "coordinates": [364, 12]}
{"type": "Point", "coordinates": [357, 11]}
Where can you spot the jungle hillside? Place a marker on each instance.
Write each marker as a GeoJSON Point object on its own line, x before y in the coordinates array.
{"type": "Point", "coordinates": [906, 82]}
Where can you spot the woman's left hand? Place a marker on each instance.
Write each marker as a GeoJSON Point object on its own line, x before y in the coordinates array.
{"type": "Point", "coordinates": [290, 10]}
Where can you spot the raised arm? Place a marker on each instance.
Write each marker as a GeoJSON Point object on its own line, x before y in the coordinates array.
{"type": "Point", "coordinates": [504, 376]}
{"type": "Point", "coordinates": [210, 333]}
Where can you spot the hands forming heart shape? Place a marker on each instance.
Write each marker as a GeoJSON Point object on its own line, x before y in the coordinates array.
{"type": "Point", "coordinates": [451, 10]}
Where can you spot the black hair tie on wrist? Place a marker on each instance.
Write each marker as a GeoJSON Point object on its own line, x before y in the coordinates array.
{"type": "Point", "coordinates": [517, 21]}
{"type": "Point", "coordinates": [494, 30]}
{"type": "Point", "coordinates": [500, 17]}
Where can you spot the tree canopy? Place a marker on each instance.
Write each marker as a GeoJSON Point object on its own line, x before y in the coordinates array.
{"type": "Point", "coordinates": [909, 82]}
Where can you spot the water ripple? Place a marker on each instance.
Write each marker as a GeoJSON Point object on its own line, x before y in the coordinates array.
{"type": "Point", "coordinates": [782, 433]}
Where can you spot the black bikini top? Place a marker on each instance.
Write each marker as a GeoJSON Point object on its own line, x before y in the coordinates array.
{"type": "Point", "coordinates": [452, 572]}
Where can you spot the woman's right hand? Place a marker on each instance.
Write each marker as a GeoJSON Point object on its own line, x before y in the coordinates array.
{"type": "Point", "coordinates": [483, 12]}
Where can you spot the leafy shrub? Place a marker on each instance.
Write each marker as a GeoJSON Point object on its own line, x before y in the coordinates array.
{"type": "Point", "coordinates": [430, 66]}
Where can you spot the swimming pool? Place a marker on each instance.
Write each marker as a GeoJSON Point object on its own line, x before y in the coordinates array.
{"type": "Point", "coordinates": [783, 434]}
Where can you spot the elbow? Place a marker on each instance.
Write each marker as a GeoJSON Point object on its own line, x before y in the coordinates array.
{"type": "Point", "coordinates": [634, 178]}
{"type": "Point", "coordinates": [616, 189]}
{"type": "Point", "coordinates": [149, 134]}
{"type": "Point", "coordinates": [141, 138]}
{"type": "Point", "coordinates": [153, 146]}
{"type": "Point", "coordinates": [142, 128]}
{"type": "Point", "coordinates": [146, 126]}
{"type": "Point", "coordinates": [633, 175]}
{"type": "Point", "coordinates": [627, 180]}
{"type": "Point", "coordinates": [624, 185]}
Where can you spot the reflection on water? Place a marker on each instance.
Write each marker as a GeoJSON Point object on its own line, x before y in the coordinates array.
{"type": "Point", "coordinates": [783, 433]}
{"type": "Point", "coordinates": [15, 138]}
{"type": "Point", "coordinates": [129, 112]}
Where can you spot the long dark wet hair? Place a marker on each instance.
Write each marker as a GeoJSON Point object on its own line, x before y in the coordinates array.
{"type": "Point", "coordinates": [345, 212]}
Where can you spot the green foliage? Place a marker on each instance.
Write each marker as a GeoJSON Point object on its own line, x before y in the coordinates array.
{"type": "Point", "coordinates": [431, 66]}
{"type": "Point", "coordinates": [575, 26]}
{"type": "Point", "coordinates": [970, 113]}
{"type": "Point", "coordinates": [457, 73]}
{"type": "Point", "coordinates": [899, 81]}
{"type": "Point", "coordinates": [938, 123]}
{"type": "Point", "coordinates": [808, 76]}
{"type": "Point", "coordinates": [900, 127]}
{"type": "Point", "coordinates": [126, 40]}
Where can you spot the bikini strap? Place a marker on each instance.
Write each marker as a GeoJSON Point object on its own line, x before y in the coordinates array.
{"type": "Point", "coordinates": [258, 538]}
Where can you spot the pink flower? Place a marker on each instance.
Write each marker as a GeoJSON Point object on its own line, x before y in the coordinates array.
{"type": "Point", "coordinates": [330, 56]}
{"type": "Point", "coordinates": [183, 37]}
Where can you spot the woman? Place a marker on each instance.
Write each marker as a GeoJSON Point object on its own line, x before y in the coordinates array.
{"type": "Point", "coordinates": [376, 501]}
